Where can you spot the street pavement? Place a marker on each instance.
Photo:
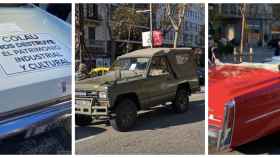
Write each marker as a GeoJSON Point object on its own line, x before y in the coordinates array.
{"type": "Point", "coordinates": [157, 131]}
{"type": "Point", "coordinates": [55, 141]}
{"type": "Point", "coordinates": [269, 145]}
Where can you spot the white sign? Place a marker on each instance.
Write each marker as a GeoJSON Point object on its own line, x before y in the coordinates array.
{"type": "Point", "coordinates": [132, 66]}
{"type": "Point", "coordinates": [146, 39]}
{"type": "Point", "coordinates": [27, 52]}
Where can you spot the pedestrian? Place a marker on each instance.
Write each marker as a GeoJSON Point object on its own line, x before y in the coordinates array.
{"type": "Point", "coordinates": [212, 50]}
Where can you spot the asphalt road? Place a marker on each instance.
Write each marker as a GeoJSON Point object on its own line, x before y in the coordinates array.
{"type": "Point", "coordinates": [269, 145]}
{"type": "Point", "coordinates": [157, 131]}
{"type": "Point", "coordinates": [54, 141]}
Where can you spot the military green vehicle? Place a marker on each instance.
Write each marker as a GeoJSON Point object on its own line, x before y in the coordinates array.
{"type": "Point", "coordinates": [138, 80]}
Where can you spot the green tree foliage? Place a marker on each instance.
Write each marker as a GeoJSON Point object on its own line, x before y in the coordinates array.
{"type": "Point", "coordinates": [126, 22]}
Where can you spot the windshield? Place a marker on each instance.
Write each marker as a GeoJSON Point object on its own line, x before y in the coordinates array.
{"type": "Point", "coordinates": [130, 64]}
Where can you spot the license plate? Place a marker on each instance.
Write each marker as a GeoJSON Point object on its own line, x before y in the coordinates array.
{"type": "Point", "coordinates": [83, 102]}
{"type": "Point", "coordinates": [83, 106]}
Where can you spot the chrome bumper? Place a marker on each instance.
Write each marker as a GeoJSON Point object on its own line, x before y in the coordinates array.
{"type": "Point", "coordinates": [217, 139]}
{"type": "Point", "coordinates": [214, 136]}
{"type": "Point", "coordinates": [39, 118]}
{"type": "Point", "coordinates": [91, 107]}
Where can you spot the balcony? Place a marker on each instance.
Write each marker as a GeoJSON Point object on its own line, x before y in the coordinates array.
{"type": "Point", "coordinates": [258, 12]}
{"type": "Point", "coordinates": [95, 43]}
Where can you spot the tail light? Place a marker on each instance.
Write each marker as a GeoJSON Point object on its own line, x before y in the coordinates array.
{"type": "Point", "coordinates": [225, 136]}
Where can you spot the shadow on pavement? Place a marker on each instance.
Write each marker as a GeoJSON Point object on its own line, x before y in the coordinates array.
{"type": "Point", "coordinates": [87, 131]}
{"type": "Point", "coordinates": [55, 141]}
{"type": "Point", "coordinates": [162, 117]}
{"type": "Point", "coordinates": [267, 145]}
{"type": "Point", "coordinates": [159, 117]}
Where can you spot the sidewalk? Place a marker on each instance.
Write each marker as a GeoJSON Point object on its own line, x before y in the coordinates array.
{"type": "Point", "coordinates": [260, 55]}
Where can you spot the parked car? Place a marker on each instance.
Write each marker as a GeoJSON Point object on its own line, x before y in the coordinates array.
{"type": "Point", "coordinates": [273, 60]}
{"type": "Point", "coordinates": [35, 71]}
{"type": "Point", "coordinates": [99, 71]}
{"type": "Point", "coordinates": [243, 103]}
{"type": "Point", "coordinates": [138, 80]}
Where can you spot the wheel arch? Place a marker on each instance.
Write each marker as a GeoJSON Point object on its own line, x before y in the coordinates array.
{"type": "Point", "coordinates": [185, 85]}
{"type": "Point", "coordinates": [132, 96]}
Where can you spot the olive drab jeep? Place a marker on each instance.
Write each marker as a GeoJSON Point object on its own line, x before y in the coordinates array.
{"type": "Point", "coordinates": [136, 81]}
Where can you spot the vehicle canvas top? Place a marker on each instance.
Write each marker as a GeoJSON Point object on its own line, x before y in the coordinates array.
{"type": "Point", "coordinates": [183, 63]}
{"type": "Point", "coordinates": [35, 57]}
{"type": "Point", "coordinates": [182, 59]}
{"type": "Point", "coordinates": [149, 52]}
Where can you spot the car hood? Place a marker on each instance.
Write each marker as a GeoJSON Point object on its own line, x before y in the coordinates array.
{"type": "Point", "coordinates": [95, 83]}
{"type": "Point", "coordinates": [100, 82]}
{"type": "Point", "coordinates": [228, 81]}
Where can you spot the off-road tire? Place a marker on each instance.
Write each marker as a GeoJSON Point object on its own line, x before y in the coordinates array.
{"type": "Point", "coordinates": [181, 102]}
{"type": "Point", "coordinates": [83, 120]}
{"type": "Point", "coordinates": [124, 116]}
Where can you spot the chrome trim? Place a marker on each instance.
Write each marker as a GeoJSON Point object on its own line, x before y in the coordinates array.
{"type": "Point", "coordinates": [262, 116]}
{"type": "Point", "coordinates": [212, 117]}
{"type": "Point", "coordinates": [213, 131]}
{"type": "Point", "coordinates": [94, 108]}
{"type": "Point", "coordinates": [226, 133]}
{"type": "Point", "coordinates": [50, 114]}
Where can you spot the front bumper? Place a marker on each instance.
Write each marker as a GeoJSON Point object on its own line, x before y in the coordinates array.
{"type": "Point", "coordinates": [91, 106]}
{"type": "Point", "coordinates": [213, 136]}
{"type": "Point", "coordinates": [218, 139]}
{"type": "Point", "coordinates": [37, 119]}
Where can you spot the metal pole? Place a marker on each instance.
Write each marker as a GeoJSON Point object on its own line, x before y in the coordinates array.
{"type": "Point", "coordinates": [151, 25]}
{"type": "Point", "coordinates": [80, 31]}
{"type": "Point", "coordinates": [243, 11]}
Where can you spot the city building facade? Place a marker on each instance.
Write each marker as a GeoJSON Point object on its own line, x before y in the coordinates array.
{"type": "Point", "coordinates": [192, 29]}
{"type": "Point", "coordinates": [258, 22]}
{"type": "Point", "coordinates": [100, 48]}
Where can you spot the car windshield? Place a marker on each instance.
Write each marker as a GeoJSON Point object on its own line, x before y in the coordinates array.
{"type": "Point", "coordinates": [131, 64]}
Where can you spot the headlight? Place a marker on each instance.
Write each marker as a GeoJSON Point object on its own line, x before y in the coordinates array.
{"type": "Point", "coordinates": [92, 93]}
{"type": "Point", "coordinates": [80, 93]}
{"type": "Point", "coordinates": [102, 95]}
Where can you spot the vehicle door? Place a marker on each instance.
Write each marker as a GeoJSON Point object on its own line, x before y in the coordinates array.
{"type": "Point", "coordinates": [257, 113]}
{"type": "Point", "coordinates": [160, 80]}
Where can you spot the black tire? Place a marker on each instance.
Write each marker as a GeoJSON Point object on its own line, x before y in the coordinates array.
{"type": "Point", "coordinates": [83, 120]}
{"type": "Point", "coordinates": [181, 102]}
{"type": "Point", "coordinates": [125, 115]}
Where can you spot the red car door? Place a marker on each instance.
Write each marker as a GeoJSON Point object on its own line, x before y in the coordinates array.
{"type": "Point", "coordinates": [257, 113]}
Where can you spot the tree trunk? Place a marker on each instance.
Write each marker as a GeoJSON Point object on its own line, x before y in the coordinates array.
{"type": "Point", "coordinates": [243, 9]}
{"type": "Point", "coordinates": [127, 44]}
{"type": "Point", "coordinates": [242, 40]}
{"type": "Point", "coordinates": [176, 38]}
{"type": "Point", "coordinates": [176, 26]}
{"type": "Point", "coordinates": [109, 31]}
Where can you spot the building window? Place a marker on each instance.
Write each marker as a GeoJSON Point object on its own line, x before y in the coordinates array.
{"type": "Point", "coordinates": [92, 11]}
{"type": "Point", "coordinates": [91, 34]}
{"type": "Point", "coordinates": [186, 25]}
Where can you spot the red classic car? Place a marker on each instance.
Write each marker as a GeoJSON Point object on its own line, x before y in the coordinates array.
{"type": "Point", "coordinates": [244, 103]}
